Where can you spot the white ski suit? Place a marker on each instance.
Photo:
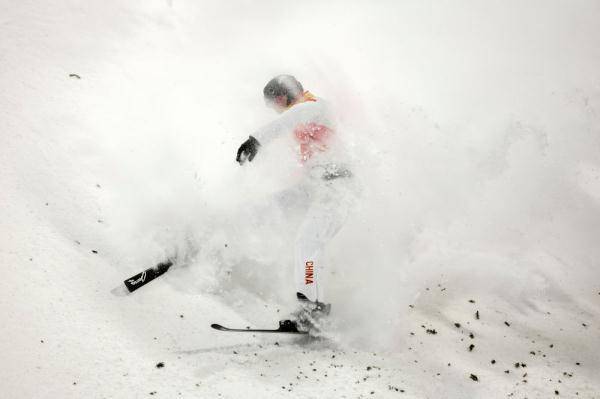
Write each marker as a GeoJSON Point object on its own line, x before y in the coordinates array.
{"type": "Point", "coordinates": [327, 186]}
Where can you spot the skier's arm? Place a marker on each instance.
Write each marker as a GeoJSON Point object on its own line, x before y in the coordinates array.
{"type": "Point", "coordinates": [301, 113]}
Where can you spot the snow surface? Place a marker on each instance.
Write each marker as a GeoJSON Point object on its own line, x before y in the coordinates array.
{"type": "Point", "coordinates": [476, 128]}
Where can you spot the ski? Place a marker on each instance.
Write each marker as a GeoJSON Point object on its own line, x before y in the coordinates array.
{"type": "Point", "coordinates": [285, 327]}
{"type": "Point", "coordinates": [143, 278]}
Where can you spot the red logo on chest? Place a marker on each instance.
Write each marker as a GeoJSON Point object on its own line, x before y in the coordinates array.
{"type": "Point", "coordinates": [311, 137]}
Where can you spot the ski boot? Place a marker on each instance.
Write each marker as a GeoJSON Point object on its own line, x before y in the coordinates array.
{"type": "Point", "coordinates": [309, 315]}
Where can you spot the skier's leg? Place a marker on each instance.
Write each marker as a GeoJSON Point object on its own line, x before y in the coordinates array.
{"type": "Point", "coordinates": [307, 255]}
{"type": "Point", "coordinates": [325, 216]}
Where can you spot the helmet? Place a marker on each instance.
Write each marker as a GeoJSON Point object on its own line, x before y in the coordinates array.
{"type": "Point", "coordinates": [283, 85]}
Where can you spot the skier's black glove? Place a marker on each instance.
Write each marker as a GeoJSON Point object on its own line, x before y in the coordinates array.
{"type": "Point", "coordinates": [247, 150]}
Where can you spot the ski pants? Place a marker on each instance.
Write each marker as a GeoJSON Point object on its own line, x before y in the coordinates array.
{"type": "Point", "coordinates": [329, 203]}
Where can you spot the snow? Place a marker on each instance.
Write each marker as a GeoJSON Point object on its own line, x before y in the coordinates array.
{"type": "Point", "coordinates": [475, 126]}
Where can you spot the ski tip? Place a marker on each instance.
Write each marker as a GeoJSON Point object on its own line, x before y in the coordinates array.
{"type": "Point", "coordinates": [218, 327]}
{"type": "Point", "coordinates": [121, 290]}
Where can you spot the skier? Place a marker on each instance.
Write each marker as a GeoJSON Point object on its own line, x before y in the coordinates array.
{"type": "Point", "coordinates": [306, 122]}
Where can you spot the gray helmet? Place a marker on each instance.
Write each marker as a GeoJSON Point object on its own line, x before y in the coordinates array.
{"type": "Point", "coordinates": [283, 85]}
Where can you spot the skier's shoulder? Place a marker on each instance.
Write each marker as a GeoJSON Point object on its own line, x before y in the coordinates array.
{"type": "Point", "coordinates": [316, 107]}
{"type": "Point", "coordinates": [314, 103]}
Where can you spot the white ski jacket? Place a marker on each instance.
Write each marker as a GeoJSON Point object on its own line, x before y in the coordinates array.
{"type": "Point", "coordinates": [311, 127]}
